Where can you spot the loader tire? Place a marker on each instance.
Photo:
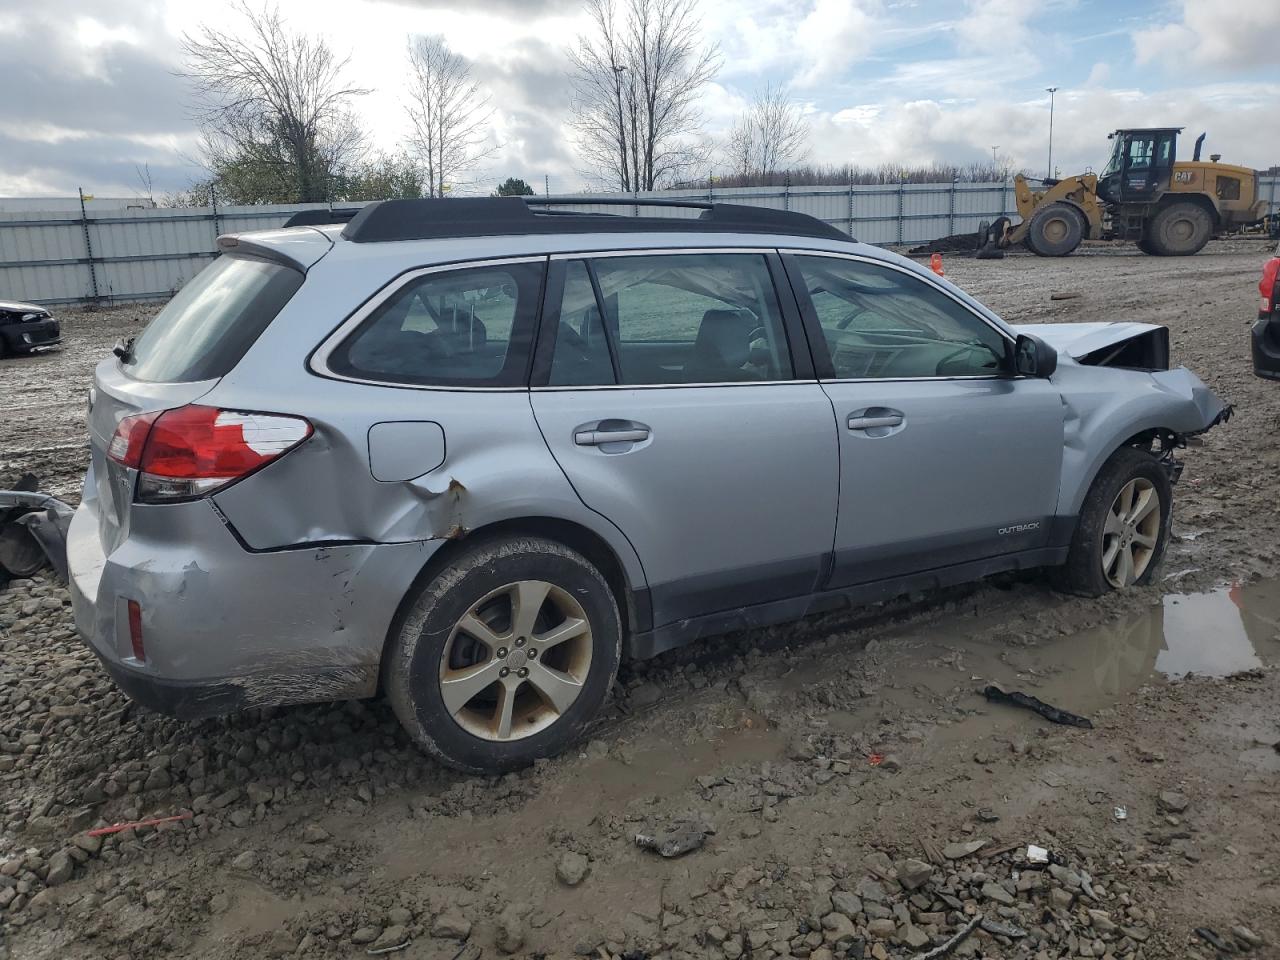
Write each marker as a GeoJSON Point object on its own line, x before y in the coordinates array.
{"type": "Point", "coordinates": [1179, 230]}
{"type": "Point", "coordinates": [1055, 230]}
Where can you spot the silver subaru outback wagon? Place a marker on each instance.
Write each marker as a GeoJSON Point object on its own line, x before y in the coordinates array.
{"type": "Point", "coordinates": [470, 453]}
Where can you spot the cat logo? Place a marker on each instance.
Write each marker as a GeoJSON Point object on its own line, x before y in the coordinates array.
{"type": "Point", "coordinates": [1184, 176]}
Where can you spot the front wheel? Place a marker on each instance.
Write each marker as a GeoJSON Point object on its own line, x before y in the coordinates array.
{"type": "Point", "coordinates": [1055, 230]}
{"type": "Point", "coordinates": [1123, 528]}
{"type": "Point", "coordinates": [506, 655]}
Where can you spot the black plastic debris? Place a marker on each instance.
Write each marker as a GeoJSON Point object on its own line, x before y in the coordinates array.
{"type": "Point", "coordinates": [1048, 711]}
{"type": "Point", "coordinates": [33, 531]}
{"type": "Point", "coordinates": [1215, 941]}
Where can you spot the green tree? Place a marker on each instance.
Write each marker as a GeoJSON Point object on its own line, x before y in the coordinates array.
{"type": "Point", "coordinates": [514, 187]}
{"type": "Point", "coordinates": [384, 177]}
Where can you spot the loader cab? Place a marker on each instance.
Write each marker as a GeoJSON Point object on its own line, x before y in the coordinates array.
{"type": "Point", "coordinates": [1140, 166]}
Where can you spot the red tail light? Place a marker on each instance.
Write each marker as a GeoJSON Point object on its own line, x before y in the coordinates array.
{"type": "Point", "coordinates": [193, 451]}
{"type": "Point", "coordinates": [1267, 286]}
{"type": "Point", "coordinates": [135, 630]}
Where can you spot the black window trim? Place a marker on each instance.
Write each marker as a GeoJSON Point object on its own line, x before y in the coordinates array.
{"type": "Point", "coordinates": [318, 362]}
{"type": "Point", "coordinates": [797, 338]}
{"type": "Point", "coordinates": [817, 339]}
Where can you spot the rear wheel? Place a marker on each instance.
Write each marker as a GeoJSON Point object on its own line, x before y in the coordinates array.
{"type": "Point", "coordinates": [506, 655]}
{"type": "Point", "coordinates": [1123, 528]}
{"type": "Point", "coordinates": [1055, 230]}
{"type": "Point", "coordinates": [1179, 230]}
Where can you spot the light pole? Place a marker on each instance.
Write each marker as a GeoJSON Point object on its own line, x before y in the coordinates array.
{"type": "Point", "coordinates": [1051, 91]}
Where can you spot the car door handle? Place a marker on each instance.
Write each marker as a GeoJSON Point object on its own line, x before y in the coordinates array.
{"type": "Point", "coordinates": [593, 438]}
{"type": "Point", "coordinates": [866, 423]}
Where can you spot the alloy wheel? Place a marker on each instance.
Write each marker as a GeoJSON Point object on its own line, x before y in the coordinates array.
{"type": "Point", "coordinates": [516, 661]}
{"type": "Point", "coordinates": [1131, 532]}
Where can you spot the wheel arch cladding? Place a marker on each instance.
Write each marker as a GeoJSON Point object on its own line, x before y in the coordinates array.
{"type": "Point", "coordinates": [1107, 409]}
{"type": "Point", "coordinates": [631, 601]}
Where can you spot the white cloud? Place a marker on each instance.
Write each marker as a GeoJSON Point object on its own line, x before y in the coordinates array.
{"type": "Point", "coordinates": [1214, 33]}
{"type": "Point", "coordinates": [833, 35]}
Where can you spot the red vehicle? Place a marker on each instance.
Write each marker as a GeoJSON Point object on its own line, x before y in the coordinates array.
{"type": "Point", "coordinates": [1266, 332]}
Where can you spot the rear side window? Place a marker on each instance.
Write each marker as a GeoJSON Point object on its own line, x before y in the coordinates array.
{"type": "Point", "coordinates": [209, 324]}
{"type": "Point", "coordinates": [670, 319]}
{"type": "Point", "coordinates": [468, 327]}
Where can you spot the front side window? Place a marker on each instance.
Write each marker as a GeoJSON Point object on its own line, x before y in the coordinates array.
{"type": "Point", "coordinates": [881, 323]}
{"type": "Point", "coordinates": [677, 319]}
{"type": "Point", "coordinates": [466, 327]}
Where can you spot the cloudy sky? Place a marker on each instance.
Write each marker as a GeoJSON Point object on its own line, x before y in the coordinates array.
{"type": "Point", "coordinates": [92, 91]}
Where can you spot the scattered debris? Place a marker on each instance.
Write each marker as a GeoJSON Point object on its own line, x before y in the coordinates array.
{"type": "Point", "coordinates": [1121, 813]}
{"type": "Point", "coordinates": [394, 948]}
{"type": "Point", "coordinates": [875, 760]}
{"type": "Point", "coordinates": [676, 838]}
{"type": "Point", "coordinates": [944, 948]}
{"type": "Point", "coordinates": [135, 824]}
{"type": "Point", "coordinates": [1049, 712]}
{"type": "Point", "coordinates": [997, 929]}
{"type": "Point", "coordinates": [1037, 854]}
{"type": "Point", "coordinates": [1065, 296]}
{"type": "Point", "coordinates": [958, 851]}
{"type": "Point", "coordinates": [1215, 941]}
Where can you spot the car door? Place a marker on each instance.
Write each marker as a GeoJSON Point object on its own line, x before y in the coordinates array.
{"type": "Point", "coordinates": [666, 386]}
{"type": "Point", "coordinates": [944, 457]}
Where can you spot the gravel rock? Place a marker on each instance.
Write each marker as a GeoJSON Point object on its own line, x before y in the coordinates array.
{"type": "Point", "coordinates": [993, 891]}
{"type": "Point", "coordinates": [366, 934]}
{"type": "Point", "coordinates": [967, 848]}
{"type": "Point", "coordinates": [1171, 801]}
{"type": "Point", "coordinates": [572, 869]}
{"type": "Point", "coordinates": [913, 873]}
{"type": "Point", "coordinates": [510, 934]}
{"type": "Point", "coordinates": [451, 925]}
{"type": "Point", "coordinates": [61, 867]}
{"type": "Point", "coordinates": [847, 903]}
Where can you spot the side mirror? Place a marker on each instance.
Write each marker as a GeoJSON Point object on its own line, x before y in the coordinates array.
{"type": "Point", "coordinates": [1032, 357]}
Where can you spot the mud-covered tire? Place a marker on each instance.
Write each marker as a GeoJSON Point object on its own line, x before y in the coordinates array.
{"type": "Point", "coordinates": [1055, 230]}
{"type": "Point", "coordinates": [1179, 230]}
{"type": "Point", "coordinates": [1144, 244]}
{"type": "Point", "coordinates": [1083, 573]}
{"type": "Point", "coordinates": [413, 676]}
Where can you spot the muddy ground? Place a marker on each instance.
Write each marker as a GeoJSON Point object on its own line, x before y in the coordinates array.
{"type": "Point", "coordinates": [866, 800]}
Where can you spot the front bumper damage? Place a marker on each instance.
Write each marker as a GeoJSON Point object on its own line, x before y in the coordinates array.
{"type": "Point", "coordinates": [33, 531]}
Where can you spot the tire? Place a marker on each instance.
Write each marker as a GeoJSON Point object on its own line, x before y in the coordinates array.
{"type": "Point", "coordinates": [1087, 571]}
{"type": "Point", "coordinates": [463, 725]}
{"type": "Point", "coordinates": [1179, 230]}
{"type": "Point", "coordinates": [1055, 230]}
{"type": "Point", "coordinates": [1144, 244]}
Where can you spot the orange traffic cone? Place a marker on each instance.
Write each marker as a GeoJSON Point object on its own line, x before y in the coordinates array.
{"type": "Point", "coordinates": [935, 264]}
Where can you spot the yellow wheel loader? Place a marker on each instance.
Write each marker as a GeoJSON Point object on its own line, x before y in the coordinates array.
{"type": "Point", "coordinates": [1170, 207]}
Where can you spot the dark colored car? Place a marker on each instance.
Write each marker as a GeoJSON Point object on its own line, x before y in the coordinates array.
{"type": "Point", "coordinates": [1266, 332]}
{"type": "Point", "coordinates": [26, 327]}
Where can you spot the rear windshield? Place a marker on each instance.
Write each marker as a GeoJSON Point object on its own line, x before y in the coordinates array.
{"type": "Point", "coordinates": [209, 324]}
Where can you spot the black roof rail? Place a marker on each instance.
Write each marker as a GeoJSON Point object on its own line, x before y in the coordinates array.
{"type": "Point", "coordinates": [318, 218]}
{"type": "Point", "coordinates": [429, 219]}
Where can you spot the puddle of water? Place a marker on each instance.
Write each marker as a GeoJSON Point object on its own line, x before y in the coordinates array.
{"type": "Point", "coordinates": [1213, 634]}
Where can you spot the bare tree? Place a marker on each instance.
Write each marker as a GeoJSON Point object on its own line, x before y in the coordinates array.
{"type": "Point", "coordinates": [771, 135]}
{"type": "Point", "coordinates": [637, 76]}
{"type": "Point", "coordinates": [449, 113]}
{"type": "Point", "coordinates": [274, 107]}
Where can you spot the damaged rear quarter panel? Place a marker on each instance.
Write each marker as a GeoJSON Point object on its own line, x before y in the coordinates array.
{"type": "Point", "coordinates": [1106, 406]}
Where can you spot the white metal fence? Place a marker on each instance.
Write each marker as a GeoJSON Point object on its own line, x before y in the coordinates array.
{"type": "Point", "coordinates": [125, 255]}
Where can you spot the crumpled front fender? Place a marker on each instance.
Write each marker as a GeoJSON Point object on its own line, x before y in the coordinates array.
{"type": "Point", "coordinates": [1106, 408]}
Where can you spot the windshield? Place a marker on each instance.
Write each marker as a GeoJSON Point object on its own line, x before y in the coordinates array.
{"type": "Point", "coordinates": [209, 324]}
{"type": "Point", "coordinates": [1117, 153]}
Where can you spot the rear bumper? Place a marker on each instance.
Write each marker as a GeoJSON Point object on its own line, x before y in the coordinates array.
{"type": "Point", "coordinates": [224, 628]}
{"type": "Point", "coordinates": [1266, 346]}
{"type": "Point", "coordinates": [35, 335]}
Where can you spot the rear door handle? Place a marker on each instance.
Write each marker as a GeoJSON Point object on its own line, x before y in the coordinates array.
{"type": "Point", "coordinates": [593, 438]}
{"type": "Point", "coordinates": [866, 423]}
